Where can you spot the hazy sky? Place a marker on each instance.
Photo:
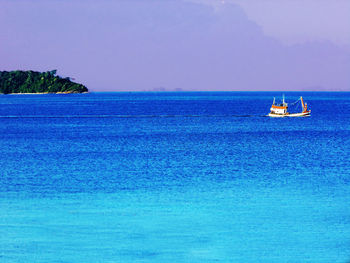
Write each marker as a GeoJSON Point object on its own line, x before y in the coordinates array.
{"type": "Point", "coordinates": [190, 45]}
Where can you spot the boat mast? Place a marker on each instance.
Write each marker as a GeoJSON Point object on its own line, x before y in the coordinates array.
{"type": "Point", "coordinates": [273, 103]}
{"type": "Point", "coordinates": [302, 104]}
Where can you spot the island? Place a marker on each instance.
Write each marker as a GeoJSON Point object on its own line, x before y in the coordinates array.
{"type": "Point", "coordinates": [21, 82]}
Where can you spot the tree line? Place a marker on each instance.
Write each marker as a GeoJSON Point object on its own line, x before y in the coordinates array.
{"type": "Point", "coordinates": [37, 82]}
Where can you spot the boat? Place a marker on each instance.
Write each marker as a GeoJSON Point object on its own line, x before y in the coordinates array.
{"type": "Point", "coordinates": [281, 109]}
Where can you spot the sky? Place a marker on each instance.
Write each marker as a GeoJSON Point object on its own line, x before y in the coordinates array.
{"type": "Point", "coordinates": [145, 45]}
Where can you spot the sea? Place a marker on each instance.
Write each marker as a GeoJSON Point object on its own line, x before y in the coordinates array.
{"type": "Point", "coordinates": [174, 177]}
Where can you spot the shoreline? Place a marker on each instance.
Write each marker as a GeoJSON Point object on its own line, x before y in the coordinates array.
{"type": "Point", "coordinates": [41, 93]}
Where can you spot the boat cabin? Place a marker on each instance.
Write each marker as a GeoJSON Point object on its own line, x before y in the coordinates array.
{"type": "Point", "coordinates": [279, 108]}
{"type": "Point", "coordinates": [276, 109]}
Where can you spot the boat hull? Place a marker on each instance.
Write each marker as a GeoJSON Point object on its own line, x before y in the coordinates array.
{"type": "Point", "coordinates": [301, 114]}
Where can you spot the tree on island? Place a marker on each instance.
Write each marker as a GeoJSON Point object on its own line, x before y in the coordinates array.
{"type": "Point", "coordinates": [37, 82]}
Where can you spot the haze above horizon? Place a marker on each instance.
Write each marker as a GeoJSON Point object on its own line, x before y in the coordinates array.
{"type": "Point", "coordinates": [195, 45]}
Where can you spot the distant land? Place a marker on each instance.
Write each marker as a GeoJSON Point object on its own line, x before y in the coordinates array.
{"type": "Point", "coordinates": [33, 82]}
{"type": "Point", "coordinates": [322, 89]}
{"type": "Point", "coordinates": [163, 89]}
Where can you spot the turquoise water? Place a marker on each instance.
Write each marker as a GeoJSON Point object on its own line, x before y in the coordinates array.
{"type": "Point", "coordinates": [173, 177]}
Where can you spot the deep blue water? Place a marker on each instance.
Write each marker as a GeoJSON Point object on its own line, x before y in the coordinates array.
{"type": "Point", "coordinates": [173, 177]}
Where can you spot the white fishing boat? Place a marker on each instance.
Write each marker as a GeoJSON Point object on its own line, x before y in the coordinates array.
{"type": "Point", "coordinates": [281, 109]}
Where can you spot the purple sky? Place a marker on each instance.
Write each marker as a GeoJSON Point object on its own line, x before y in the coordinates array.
{"type": "Point", "coordinates": [112, 45]}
